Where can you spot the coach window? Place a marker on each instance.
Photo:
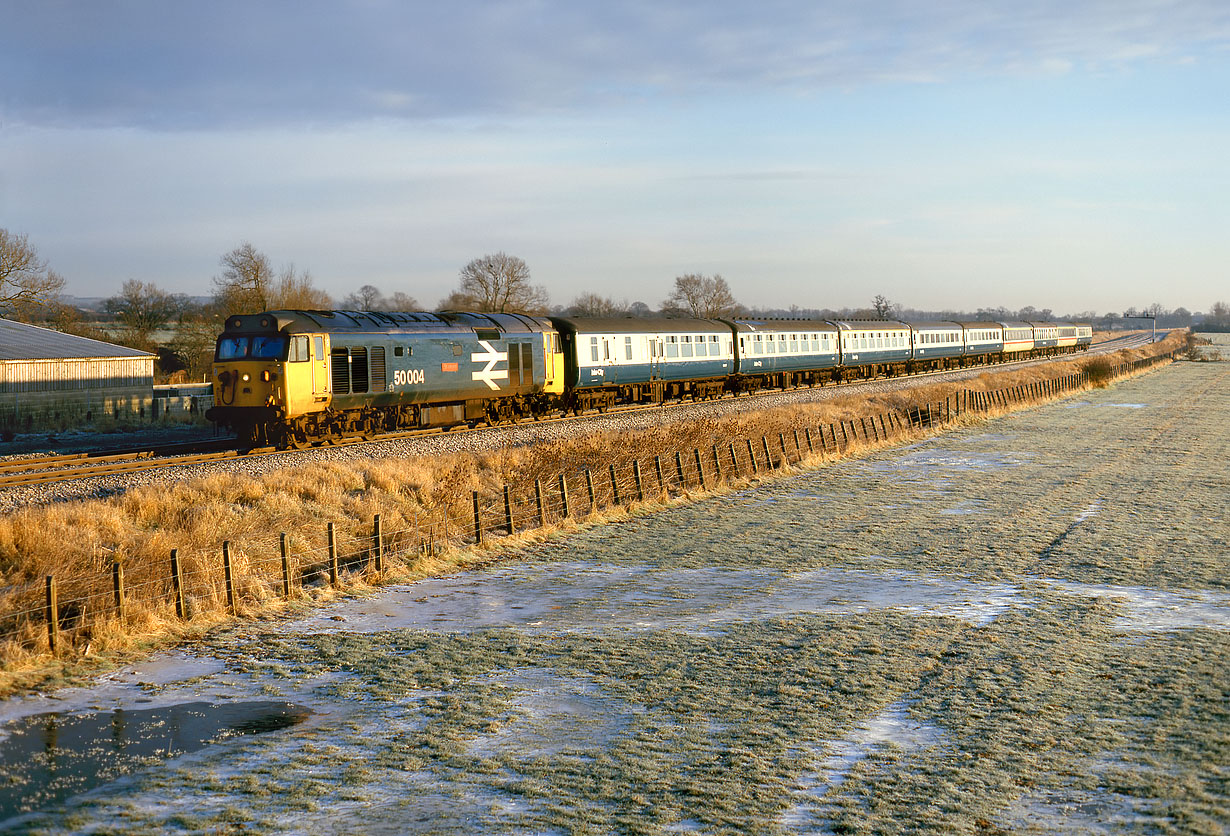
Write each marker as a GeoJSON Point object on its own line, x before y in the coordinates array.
{"type": "Point", "coordinates": [685, 346]}
{"type": "Point", "coordinates": [627, 348]}
{"type": "Point", "coordinates": [593, 349]}
{"type": "Point", "coordinates": [672, 347]}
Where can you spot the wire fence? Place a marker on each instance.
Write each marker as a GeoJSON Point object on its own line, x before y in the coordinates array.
{"type": "Point", "coordinates": [59, 616]}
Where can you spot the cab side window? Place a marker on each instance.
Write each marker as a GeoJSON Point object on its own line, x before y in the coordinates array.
{"type": "Point", "coordinates": [299, 350]}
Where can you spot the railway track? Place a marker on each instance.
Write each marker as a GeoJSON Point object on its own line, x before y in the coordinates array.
{"type": "Point", "coordinates": [39, 470]}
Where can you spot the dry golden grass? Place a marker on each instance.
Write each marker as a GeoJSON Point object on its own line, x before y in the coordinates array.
{"type": "Point", "coordinates": [425, 507]}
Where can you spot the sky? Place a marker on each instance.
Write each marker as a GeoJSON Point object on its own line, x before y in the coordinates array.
{"type": "Point", "coordinates": [954, 154]}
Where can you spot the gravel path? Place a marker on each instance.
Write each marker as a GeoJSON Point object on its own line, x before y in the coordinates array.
{"type": "Point", "coordinates": [473, 441]}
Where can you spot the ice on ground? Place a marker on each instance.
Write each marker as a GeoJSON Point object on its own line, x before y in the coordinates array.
{"type": "Point", "coordinates": [943, 460]}
{"type": "Point", "coordinates": [891, 727]}
{"type": "Point", "coordinates": [585, 597]}
{"type": "Point", "coordinates": [1074, 812]}
{"type": "Point", "coordinates": [1154, 611]}
{"type": "Point", "coordinates": [554, 715]}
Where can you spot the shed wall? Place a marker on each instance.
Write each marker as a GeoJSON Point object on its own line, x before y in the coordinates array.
{"type": "Point", "coordinates": [62, 393]}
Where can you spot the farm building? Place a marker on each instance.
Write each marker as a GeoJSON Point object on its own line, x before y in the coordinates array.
{"type": "Point", "coordinates": [50, 380]}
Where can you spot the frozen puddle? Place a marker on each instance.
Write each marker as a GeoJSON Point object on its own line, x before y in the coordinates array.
{"type": "Point", "coordinates": [891, 727]}
{"type": "Point", "coordinates": [582, 597]}
{"type": "Point", "coordinates": [1081, 404]}
{"type": "Point", "coordinates": [1154, 611]}
{"type": "Point", "coordinates": [555, 715]}
{"type": "Point", "coordinates": [930, 462]}
{"type": "Point", "coordinates": [1075, 812]}
{"type": "Point", "coordinates": [45, 758]}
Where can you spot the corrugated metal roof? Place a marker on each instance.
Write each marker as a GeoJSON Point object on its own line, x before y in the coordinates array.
{"type": "Point", "coordinates": [19, 341]}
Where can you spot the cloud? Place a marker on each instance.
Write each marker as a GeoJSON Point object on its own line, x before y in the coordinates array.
{"type": "Point", "coordinates": [230, 63]}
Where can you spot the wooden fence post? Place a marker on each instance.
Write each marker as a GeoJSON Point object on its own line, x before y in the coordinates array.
{"type": "Point", "coordinates": [657, 463]}
{"type": "Point", "coordinates": [542, 509]}
{"type": "Point", "coordinates": [508, 517]}
{"type": "Point", "coordinates": [226, 574]}
{"type": "Point", "coordinates": [284, 547]}
{"type": "Point", "coordinates": [751, 456]}
{"type": "Point", "coordinates": [334, 568]}
{"type": "Point", "coordinates": [683, 483]}
{"type": "Point", "coordinates": [53, 616]}
{"type": "Point", "coordinates": [117, 586]}
{"type": "Point", "coordinates": [478, 524]}
{"type": "Point", "coordinates": [700, 468]}
{"type": "Point", "coordinates": [589, 485]}
{"type": "Point", "coordinates": [636, 475]}
{"type": "Point", "coordinates": [717, 466]}
{"type": "Point", "coordinates": [807, 434]}
{"type": "Point", "coordinates": [781, 440]}
{"type": "Point", "coordinates": [768, 457]}
{"type": "Point", "coordinates": [378, 544]}
{"type": "Point", "coordinates": [614, 486]}
{"type": "Point", "coordinates": [177, 584]}
{"type": "Point", "coordinates": [798, 451]}
{"type": "Point", "coordinates": [734, 460]}
{"type": "Point", "coordinates": [563, 495]}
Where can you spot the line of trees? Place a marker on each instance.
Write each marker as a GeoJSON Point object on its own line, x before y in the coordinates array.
{"type": "Point", "coordinates": [248, 282]}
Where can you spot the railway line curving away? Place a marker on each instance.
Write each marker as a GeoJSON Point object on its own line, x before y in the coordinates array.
{"type": "Point", "coordinates": [42, 479]}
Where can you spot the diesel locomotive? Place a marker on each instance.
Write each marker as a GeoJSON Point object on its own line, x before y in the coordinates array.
{"type": "Point", "coordinates": [295, 378]}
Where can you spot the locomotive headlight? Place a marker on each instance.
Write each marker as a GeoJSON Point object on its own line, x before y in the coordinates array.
{"type": "Point", "coordinates": [246, 378]}
{"type": "Point", "coordinates": [267, 375]}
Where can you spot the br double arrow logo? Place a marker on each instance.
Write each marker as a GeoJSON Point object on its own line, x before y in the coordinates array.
{"type": "Point", "coordinates": [490, 374]}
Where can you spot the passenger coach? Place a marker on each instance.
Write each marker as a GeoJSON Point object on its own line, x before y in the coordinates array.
{"type": "Point", "coordinates": [871, 348]}
{"type": "Point", "coordinates": [784, 353]}
{"type": "Point", "coordinates": [627, 360]}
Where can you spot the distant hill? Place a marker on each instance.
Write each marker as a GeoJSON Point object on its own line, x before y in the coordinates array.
{"type": "Point", "coordinates": [95, 303]}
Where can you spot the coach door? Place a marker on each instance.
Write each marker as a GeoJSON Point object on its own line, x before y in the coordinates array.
{"type": "Point", "coordinates": [655, 358]}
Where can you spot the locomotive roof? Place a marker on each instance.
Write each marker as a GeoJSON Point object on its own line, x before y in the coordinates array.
{"type": "Point", "coordinates": [778, 325]}
{"type": "Point", "coordinates": [634, 325]}
{"type": "Point", "coordinates": [376, 321]}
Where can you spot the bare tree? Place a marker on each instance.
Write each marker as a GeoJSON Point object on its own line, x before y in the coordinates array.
{"type": "Point", "coordinates": [143, 307]}
{"type": "Point", "coordinates": [366, 298]}
{"type": "Point", "coordinates": [25, 282]}
{"type": "Point", "coordinates": [884, 309]}
{"type": "Point", "coordinates": [402, 302]}
{"type": "Point", "coordinates": [248, 284]}
{"type": "Point", "coordinates": [498, 283]}
{"type": "Point", "coordinates": [701, 296]}
{"type": "Point", "coordinates": [591, 304]}
{"type": "Point", "coordinates": [296, 292]}
{"type": "Point", "coordinates": [246, 280]}
{"type": "Point", "coordinates": [195, 334]}
{"type": "Point", "coordinates": [1218, 316]}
